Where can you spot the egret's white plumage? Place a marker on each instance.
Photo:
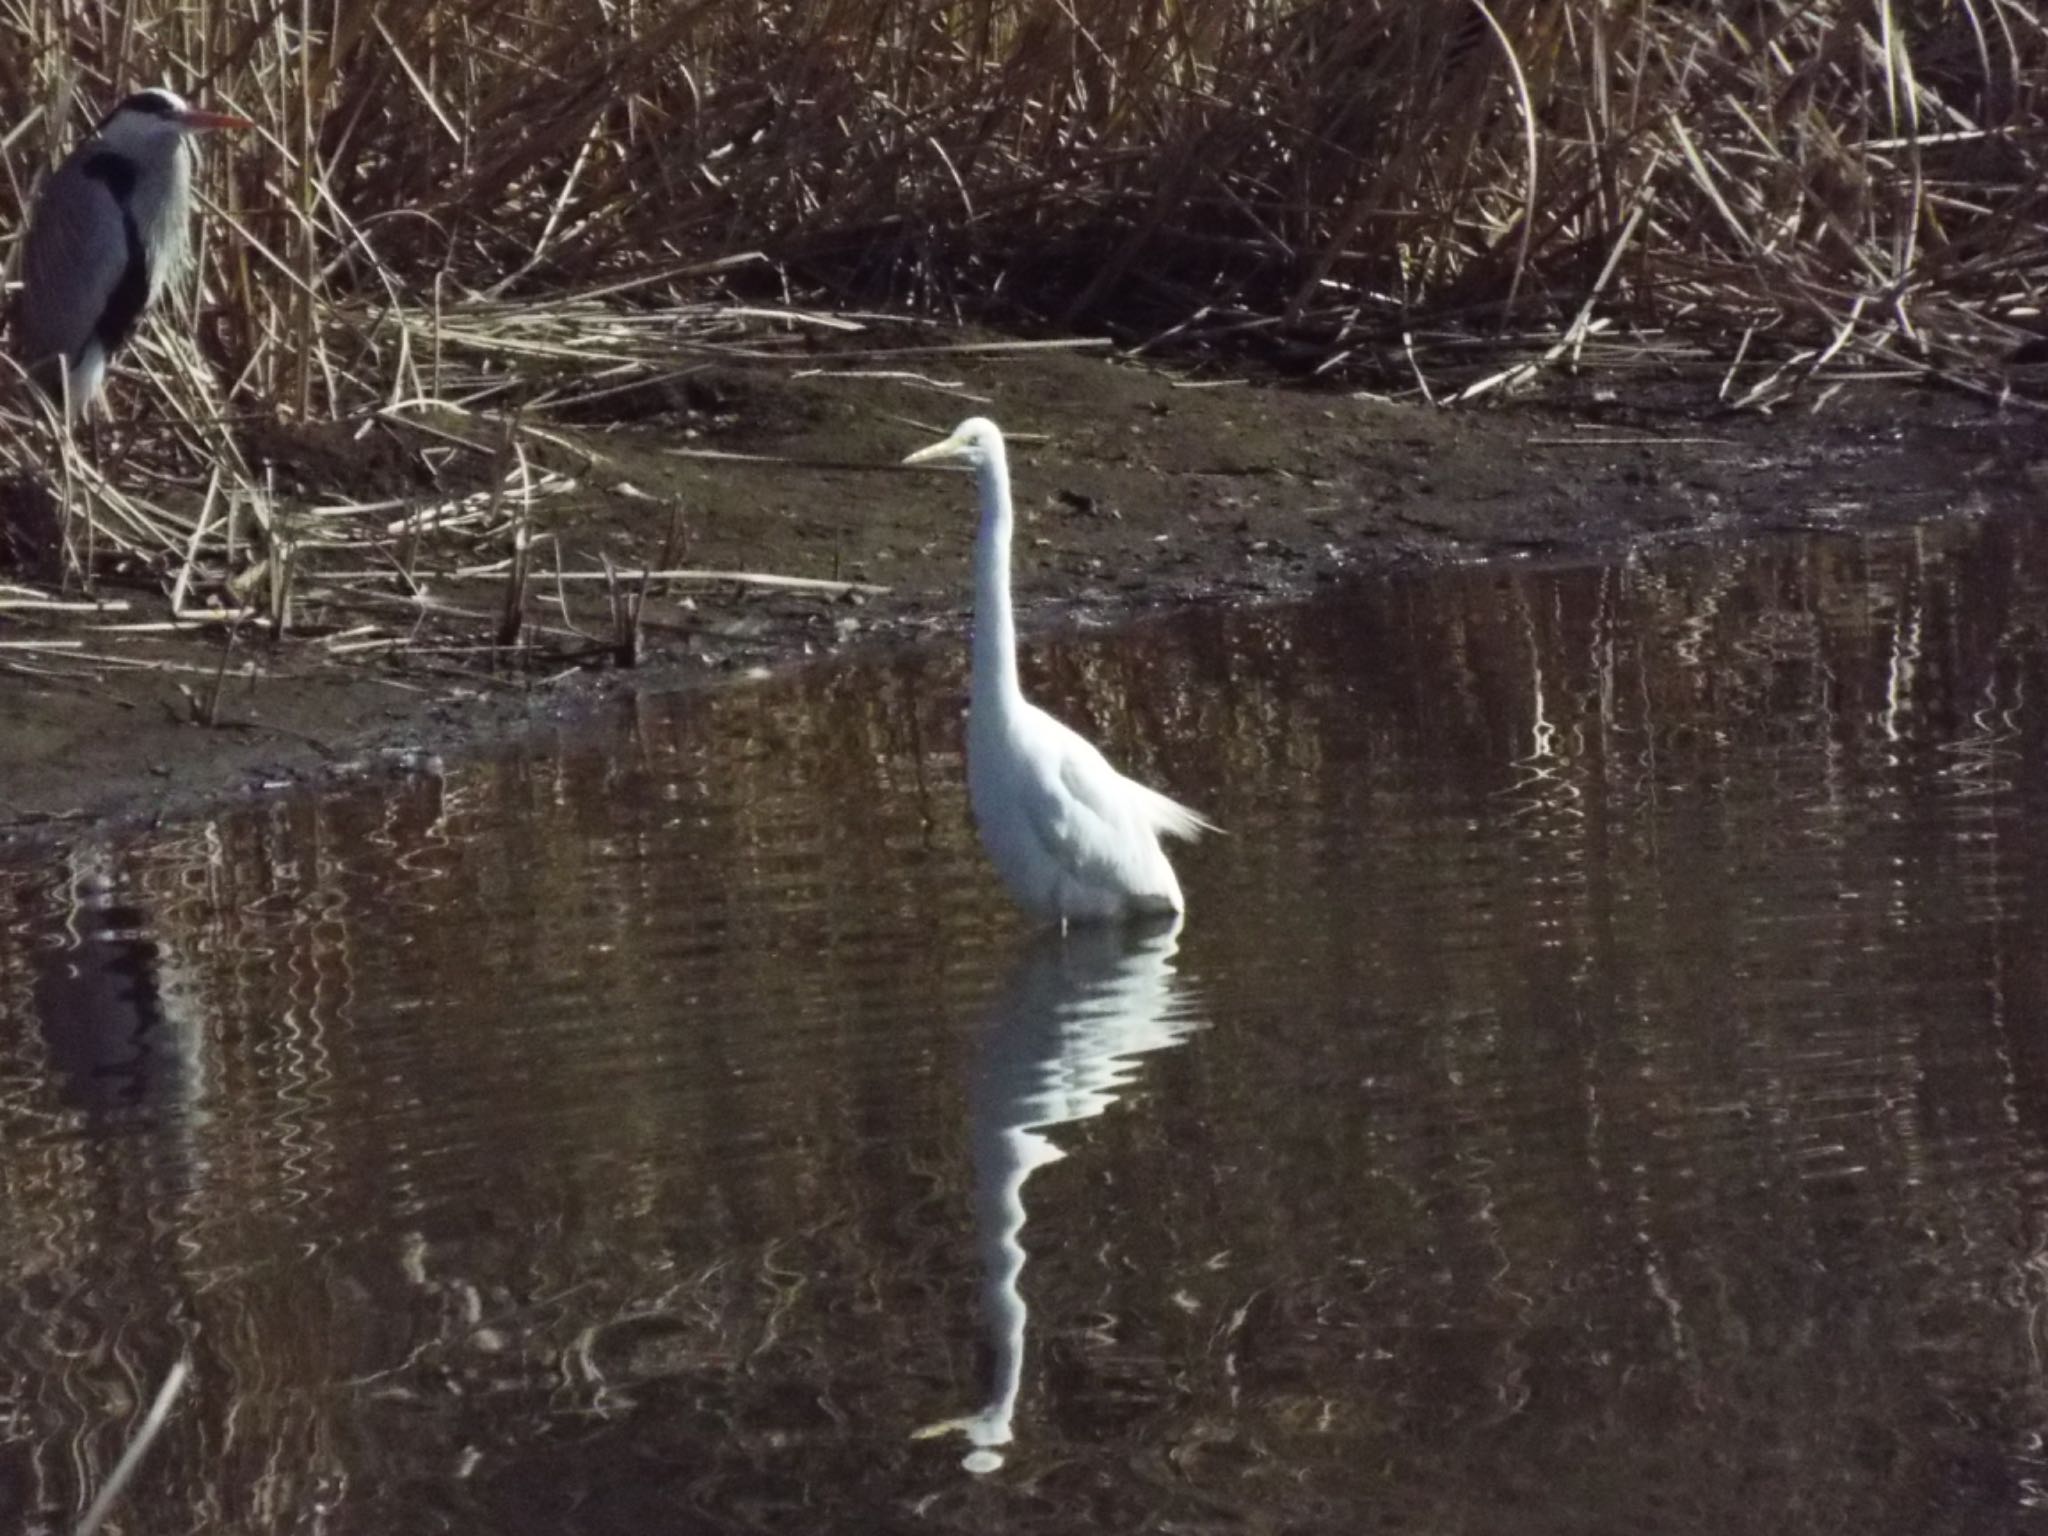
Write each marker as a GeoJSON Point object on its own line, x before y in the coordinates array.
{"type": "Point", "coordinates": [1073, 839]}
{"type": "Point", "coordinates": [109, 231]}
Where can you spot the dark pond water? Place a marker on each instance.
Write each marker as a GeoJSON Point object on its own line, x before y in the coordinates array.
{"type": "Point", "coordinates": [1601, 1087]}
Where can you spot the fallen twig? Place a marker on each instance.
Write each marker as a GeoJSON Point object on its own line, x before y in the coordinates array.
{"type": "Point", "coordinates": [734, 578]}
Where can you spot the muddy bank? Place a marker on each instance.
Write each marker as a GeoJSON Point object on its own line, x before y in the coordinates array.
{"type": "Point", "coordinates": [1136, 487]}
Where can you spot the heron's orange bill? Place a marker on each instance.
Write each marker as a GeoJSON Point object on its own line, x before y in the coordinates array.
{"type": "Point", "coordinates": [192, 117]}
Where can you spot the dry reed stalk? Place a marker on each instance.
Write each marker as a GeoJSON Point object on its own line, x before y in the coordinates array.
{"type": "Point", "coordinates": [610, 575]}
{"type": "Point", "coordinates": [629, 612]}
{"type": "Point", "coordinates": [511, 464]}
{"type": "Point", "coordinates": [521, 151]}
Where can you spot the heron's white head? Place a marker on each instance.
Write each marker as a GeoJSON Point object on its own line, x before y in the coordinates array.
{"type": "Point", "coordinates": [976, 442]}
{"type": "Point", "coordinates": [156, 118]}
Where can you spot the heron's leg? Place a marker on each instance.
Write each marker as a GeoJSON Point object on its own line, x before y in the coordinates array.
{"type": "Point", "coordinates": [96, 451]}
{"type": "Point", "coordinates": [92, 522]}
{"type": "Point", "coordinates": [68, 558]}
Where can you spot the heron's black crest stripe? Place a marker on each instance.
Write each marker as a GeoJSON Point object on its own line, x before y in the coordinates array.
{"type": "Point", "coordinates": [155, 103]}
{"type": "Point", "coordinates": [149, 103]}
{"type": "Point", "coordinates": [125, 304]}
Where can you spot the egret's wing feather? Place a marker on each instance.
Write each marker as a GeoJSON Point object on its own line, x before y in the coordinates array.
{"type": "Point", "coordinates": [1117, 799]}
{"type": "Point", "coordinates": [76, 255]}
{"type": "Point", "coordinates": [1039, 797]}
{"type": "Point", "coordinates": [1098, 841]}
{"type": "Point", "coordinates": [1098, 826]}
{"type": "Point", "coordinates": [1114, 813]}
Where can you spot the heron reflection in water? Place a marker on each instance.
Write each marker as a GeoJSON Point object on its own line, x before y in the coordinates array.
{"type": "Point", "coordinates": [1059, 1047]}
{"type": "Point", "coordinates": [119, 1013]}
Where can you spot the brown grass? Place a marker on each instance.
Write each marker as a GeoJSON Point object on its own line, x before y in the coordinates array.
{"type": "Point", "coordinates": [477, 203]}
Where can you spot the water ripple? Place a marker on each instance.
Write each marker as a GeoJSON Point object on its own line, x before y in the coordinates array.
{"type": "Point", "coordinates": [1621, 1098]}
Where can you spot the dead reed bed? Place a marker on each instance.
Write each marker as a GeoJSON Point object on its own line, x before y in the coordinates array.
{"type": "Point", "coordinates": [462, 214]}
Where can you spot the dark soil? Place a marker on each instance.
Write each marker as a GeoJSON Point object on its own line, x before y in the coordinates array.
{"type": "Point", "coordinates": [1135, 488]}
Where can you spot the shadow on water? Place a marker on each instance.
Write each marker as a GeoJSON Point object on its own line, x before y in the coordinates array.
{"type": "Point", "coordinates": [1075, 1013]}
{"type": "Point", "coordinates": [1621, 1101]}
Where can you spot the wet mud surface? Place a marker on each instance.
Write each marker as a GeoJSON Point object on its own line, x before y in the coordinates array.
{"type": "Point", "coordinates": [1136, 487]}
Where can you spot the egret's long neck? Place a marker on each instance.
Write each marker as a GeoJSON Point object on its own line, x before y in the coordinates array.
{"type": "Point", "coordinates": [995, 627]}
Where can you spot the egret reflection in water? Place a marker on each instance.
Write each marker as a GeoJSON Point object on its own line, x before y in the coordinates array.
{"type": "Point", "coordinates": [1059, 1046]}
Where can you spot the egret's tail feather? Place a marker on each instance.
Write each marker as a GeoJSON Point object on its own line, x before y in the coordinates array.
{"type": "Point", "coordinates": [1169, 816]}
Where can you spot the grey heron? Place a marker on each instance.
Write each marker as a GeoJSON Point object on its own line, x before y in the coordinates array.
{"type": "Point", "coordinates": [108, 231]}
{"type": "Point", "coordinates": [1073, 839]}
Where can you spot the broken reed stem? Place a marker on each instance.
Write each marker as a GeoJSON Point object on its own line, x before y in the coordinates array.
{"type": "Point", "coordinates": [625, 623]}
{"type": "Point", "coordinates": [182, 586]}
{"type": "Point", "coordinates": [208, 714]}
{"type": "Point", "coordinates": [628, 628]}
{"type": "Point", "coordinates": [511, 453]}
{"type": "Point", "coordinates": [761, 579]}
{"type": "Point", "coordinates": [281, 574]}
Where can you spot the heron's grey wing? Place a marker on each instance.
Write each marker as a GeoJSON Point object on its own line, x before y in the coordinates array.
{"type": "Point", "coordinates": [75, 259]}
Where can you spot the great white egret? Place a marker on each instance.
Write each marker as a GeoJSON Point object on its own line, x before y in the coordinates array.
{"type": "Point", "coordinates": [1072, 838]}
{"type": "Point", "coordinates": [108, 231]}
